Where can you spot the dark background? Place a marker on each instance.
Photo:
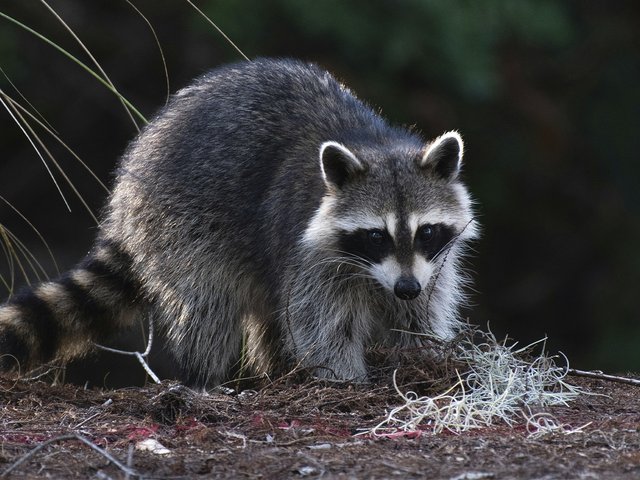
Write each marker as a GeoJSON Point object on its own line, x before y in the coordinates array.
{"type": "Point", "coordinates": [545, 93]}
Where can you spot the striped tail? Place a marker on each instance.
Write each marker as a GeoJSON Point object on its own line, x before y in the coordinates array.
{"type": "Point", "coordinates": [60, 319]}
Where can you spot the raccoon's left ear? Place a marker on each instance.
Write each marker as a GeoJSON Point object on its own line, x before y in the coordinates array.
{"type": "Point", "coordinates": [338, 164]}
{"type": "Point", "coordinates": [444, 155]}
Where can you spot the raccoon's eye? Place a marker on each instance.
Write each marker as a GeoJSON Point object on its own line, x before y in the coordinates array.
{"type": "Point", "coordinates": [376, 237]}
{"type": "Point", "coordinates": [432, 239]}
{"type": "Point", "coordinates": [427, 233]}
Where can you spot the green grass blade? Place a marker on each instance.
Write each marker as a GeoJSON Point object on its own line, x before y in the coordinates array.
{"type": "Point", "coordinates": [84, 66]}
{"type": "Point", "coordinates": [155, 36]}
{"type": "Point", "coordinates": [90, 55]}
{"type": "Point", "coordinates": [46, 165]}
{"type": "Point", "coordinates": [37, 232]}
{"type": "Point", "coordinates": [47, 128]}
{"type": "Point", "coordinates": [219, 30]}
{"type": "Point", "coordinates": [33, 135]}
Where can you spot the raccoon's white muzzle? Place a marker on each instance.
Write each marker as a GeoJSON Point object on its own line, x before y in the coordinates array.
{"type": "Point", "coordinates": [405, 285]}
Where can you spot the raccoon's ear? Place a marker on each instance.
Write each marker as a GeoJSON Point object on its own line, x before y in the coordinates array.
{"type": "Point", "coordinates": [338, 164]}
{"type": "Point", "coordinates": [444, 155]}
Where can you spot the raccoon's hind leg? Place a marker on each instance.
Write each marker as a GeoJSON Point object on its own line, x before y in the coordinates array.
{"type": "Point", "coordinates": [60, 319]}
{"type": "Point", "coordinates": [202, 316]}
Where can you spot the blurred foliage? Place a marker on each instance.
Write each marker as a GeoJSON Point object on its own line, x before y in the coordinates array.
{"type": "Point", "coordinates": [546, 94]}
{"type": "Point", "coordinates": [448, 42]}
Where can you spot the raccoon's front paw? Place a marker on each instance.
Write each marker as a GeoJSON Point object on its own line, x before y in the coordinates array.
{"type": "Point", "coordinates": [343, 372]}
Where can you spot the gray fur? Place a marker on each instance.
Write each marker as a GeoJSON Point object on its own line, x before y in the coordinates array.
{"type": "Point", "coordinates": [230, 224]}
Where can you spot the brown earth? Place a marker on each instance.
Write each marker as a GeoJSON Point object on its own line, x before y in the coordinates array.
{"type": "Point", "coordinates": [290, 429]}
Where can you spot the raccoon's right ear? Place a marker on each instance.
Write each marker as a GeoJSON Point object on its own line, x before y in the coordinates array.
{"type": "Point", "coordinates": [444, 155]}
{"type": "Point", "coordinates": [338, 164]}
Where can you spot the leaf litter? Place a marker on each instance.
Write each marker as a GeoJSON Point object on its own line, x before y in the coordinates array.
{"type": "Point", "coordinates": [485, 409]}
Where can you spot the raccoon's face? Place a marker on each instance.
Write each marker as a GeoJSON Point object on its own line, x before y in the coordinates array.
{"type": "Point", "coordinates": [395, 213]}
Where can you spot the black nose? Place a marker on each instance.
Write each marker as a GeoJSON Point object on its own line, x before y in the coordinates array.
{"type": "Point", "coordinates": [407, 288]}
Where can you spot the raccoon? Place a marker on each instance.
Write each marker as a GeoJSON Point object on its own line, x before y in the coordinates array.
{"type": "Point", "coordinates": [264, 210]}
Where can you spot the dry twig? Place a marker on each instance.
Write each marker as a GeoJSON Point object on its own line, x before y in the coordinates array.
{"type": "Point", "coordinates": [127, 470]}
{"type": "Point", "coordinates": [603, 376]}
{"type": "Point", "coordinates": [142, 357]}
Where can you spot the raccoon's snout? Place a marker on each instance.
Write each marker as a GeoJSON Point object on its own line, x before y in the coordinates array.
{"type": "Point", "coordinates": [407, 288]}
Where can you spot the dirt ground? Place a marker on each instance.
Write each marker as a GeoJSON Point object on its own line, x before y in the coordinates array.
{"type": "Point", "coordinates": [290, 429]}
